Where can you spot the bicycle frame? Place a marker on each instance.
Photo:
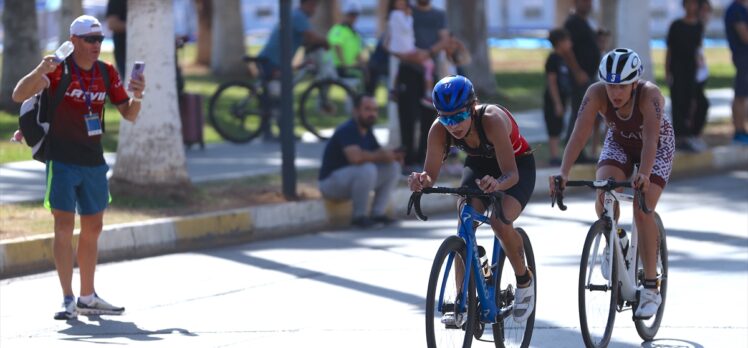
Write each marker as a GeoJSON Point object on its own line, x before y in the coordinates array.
{"type": "Point", "coordinates": [486, 292]}
{"type": "Point", "coordinates": [627, 278]}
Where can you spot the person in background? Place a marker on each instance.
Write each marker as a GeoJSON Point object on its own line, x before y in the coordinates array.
{"type": "Point", "coordinates": [557, 90]}
{"type": "Point", "coordinates": [736, 27]}
{"type": "Point", "coordinates": [76, 170]}
{"type": "Point", "coordinates": [116, 21]}
{"type": "Point", "coordinates": [354, 165]}
{"type": "Point", "coordinates": [346, 44]}
{"type": "Point", "coordinates": [582, 62]}
{"type": "Point", "coordinates": [430, 29]}
{"type": "Point", "coordinates": [302, 33]}
{"type": "Point", "coordinates": [683, 40]}
{"type": "Point", "coordinates": [701, 110]}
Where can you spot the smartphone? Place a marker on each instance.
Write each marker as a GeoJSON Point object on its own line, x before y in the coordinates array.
{"type": "Point", "coordinates": [137, 69]}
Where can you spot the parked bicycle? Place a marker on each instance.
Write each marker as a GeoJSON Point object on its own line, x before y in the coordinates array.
{"type": "Point", "coordinates": [609, 287]}
{"type": "Point", "coordinates": [239, 110]}
{"type": "Point", "coordinates": [464, 294]}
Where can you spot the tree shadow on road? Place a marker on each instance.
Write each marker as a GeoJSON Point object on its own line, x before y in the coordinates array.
{"type": "Point", "coordinates": [87, 331]}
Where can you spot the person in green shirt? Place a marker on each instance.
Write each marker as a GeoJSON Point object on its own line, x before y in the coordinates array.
{"type": "Point", "coordinates": [346, 44]}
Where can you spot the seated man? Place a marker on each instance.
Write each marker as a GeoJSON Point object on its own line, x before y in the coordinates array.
{"type": "Point", "coordinates": [354, 164]}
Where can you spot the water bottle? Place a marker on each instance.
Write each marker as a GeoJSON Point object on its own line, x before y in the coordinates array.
{"type": "Point", "coordinates": [624, 242]}
{"type": "Point", "coordinates": [65, 50]}
{"type": "Point", "coordinates": [484, 261]}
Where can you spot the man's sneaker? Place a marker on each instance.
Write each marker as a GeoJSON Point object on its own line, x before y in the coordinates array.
{"type": "Point", "coordinates": [649, 302]}
{"type": "Point", "coordinates": [362, 222]}
{"type": "Point", "coordinates": [98, 307]}
{"type": "Point", "coordinates": [68, 309]}
{"type": "Point", "coordinates": [383, 219]}
{"type": "Point", "coordinates": [524, 302]}
{"type": "Point", "coordinates": [605, 264]}
{"type": "Point", "coordinates": [740, 138]}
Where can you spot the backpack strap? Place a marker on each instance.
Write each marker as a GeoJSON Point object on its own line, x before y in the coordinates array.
{"type": "Point", "coordinates": [59, 92]}
{"type": "Point", "coordinates": [105, 76]}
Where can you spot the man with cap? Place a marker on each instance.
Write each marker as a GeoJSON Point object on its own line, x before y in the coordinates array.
{"type": "Point", "coordinates": [346, 43]}
{"type": "Point", "coordinates": [76, 170]}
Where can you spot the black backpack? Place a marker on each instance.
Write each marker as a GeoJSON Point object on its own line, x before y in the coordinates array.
{"type": "Point", "coordinates": [37, 112]}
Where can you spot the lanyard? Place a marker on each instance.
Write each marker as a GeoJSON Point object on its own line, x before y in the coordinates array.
{"type": "Point", "coordinates": [86, 95]}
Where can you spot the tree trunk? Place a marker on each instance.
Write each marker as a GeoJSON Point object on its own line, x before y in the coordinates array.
{"type": "Point", "coordinates": [228, 40]}
{"type": "Point", "coordinates": [382, 16]}
{"type": "Point", "coordinates": [467, 20]}
{"type": "Point", "coordinates": [21, 51]}
{"type": "Point", "coordinates": [204, 31]}
{"type": "Point", "coordinates": [563, 7]}
{"type": "Point", "coordinates": [69, 11]}
{"type": "Point", "coordinates": [609, 16]}
{"type": "Point", "coordinates": [150, 155]}
{"type": "Point", "coordinates": [633, 32]}
{"type": "Point", "coordinates": [326, 15]}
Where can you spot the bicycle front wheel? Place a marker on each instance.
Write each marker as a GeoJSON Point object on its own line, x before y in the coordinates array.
{"type": "Point", "coordinates": [325, 104]}
{"type": "Point", "coordinates": [508, 333]}
{"type": "Point", "coordinates": [447, 325]}
{"type": "Point", "coordinates": [235, 112]}
{"type": "Point", "coordinates": [597, 301]}
{"type": "Point", "coordinates": [648, 328]}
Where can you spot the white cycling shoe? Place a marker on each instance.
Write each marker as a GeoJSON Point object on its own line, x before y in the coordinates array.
{"type": "Point", "coordinates": [524, 302]}
{"type": "Point", "coordinates": [649, 302]}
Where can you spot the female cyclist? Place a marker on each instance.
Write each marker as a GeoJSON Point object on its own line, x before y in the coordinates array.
{"type": "Point", "coordinates": [638, 132]}
{"type": "Point", "coordinates": [498, 159]}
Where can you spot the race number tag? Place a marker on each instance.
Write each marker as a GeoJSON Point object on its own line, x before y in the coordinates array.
{"type": "Point", "coordinates": [93, 124]}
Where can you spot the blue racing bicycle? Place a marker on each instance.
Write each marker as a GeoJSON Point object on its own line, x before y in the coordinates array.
{"type": "Point", "coordinates": [465, 295]}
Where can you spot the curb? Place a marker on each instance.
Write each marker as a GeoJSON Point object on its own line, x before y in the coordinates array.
{"type": "Point", "coordinates": [22, 256]}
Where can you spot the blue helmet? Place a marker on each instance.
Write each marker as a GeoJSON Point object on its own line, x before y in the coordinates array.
{"type": "Point", "coordinates": [452, 93]}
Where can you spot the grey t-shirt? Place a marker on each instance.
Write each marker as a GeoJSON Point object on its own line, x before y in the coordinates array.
{"type": "Point", "coordinates": [426, 25]}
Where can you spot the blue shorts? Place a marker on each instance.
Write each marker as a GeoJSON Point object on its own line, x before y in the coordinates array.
{"type": "Point", "coordinates": [72, 186]}
{"type": "Point", "coordinates": [741, 80]}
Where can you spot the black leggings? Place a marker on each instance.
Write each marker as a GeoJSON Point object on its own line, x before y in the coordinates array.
{"type": "Point", "coordinates": [477, 167]}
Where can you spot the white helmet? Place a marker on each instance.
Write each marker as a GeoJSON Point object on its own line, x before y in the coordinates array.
{"type": "Point", "coordinates": [621, 66]}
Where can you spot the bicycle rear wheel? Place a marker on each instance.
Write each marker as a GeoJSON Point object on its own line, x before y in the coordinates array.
{"type": "Point", "coordinates": [443, 298]}
{"type": "Point", "coordinates": [597, 301]}
{"type": "Point", "coordinates": [235, 112]}
{"type": "Point", "coordinates": [648, 328]}
{"type": "Point", "coordinates": [508, 333]}
{"type": "Point", "coordinates": [325, 104]}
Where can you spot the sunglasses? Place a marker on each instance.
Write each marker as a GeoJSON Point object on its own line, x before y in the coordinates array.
{"type": "Point", "coordinates": [455, 119]}
{"type": "Point", "coordinates": [92, 39]}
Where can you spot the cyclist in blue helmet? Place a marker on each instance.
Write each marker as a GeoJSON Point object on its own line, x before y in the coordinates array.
{"type": "Point", "coordinates": [499, 158]}
{"type": "Point", "coordinates": [638, 132]}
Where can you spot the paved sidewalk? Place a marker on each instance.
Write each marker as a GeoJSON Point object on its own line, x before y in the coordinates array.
{"type": "Point", "coordinates": [24, 181]}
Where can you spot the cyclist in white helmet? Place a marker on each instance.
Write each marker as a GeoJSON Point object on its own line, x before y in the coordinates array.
{"type": "Point", "coordinates": [638, 132]}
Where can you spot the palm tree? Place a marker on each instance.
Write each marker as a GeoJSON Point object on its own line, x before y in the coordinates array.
{"type": "Point", "coordinates": [150, 155]}
{"type": "Point", "coordinates": [204, 30]}
{"type": "Point", "coordinates": [228, 40]}
{"type": "Point", "coordinates": [21, 51]}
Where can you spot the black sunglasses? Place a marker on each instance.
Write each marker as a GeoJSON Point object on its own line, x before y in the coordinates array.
{"type": "Point", "coordinates": [92, 39]}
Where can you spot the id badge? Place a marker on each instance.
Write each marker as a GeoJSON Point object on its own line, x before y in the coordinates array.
{"type": "Point", "coordinates": [93, 124]}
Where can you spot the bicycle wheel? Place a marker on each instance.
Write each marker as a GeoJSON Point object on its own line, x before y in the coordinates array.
{"type": "Point", "coordinates": [507, 332]}
{"type": "Point", "coordinates": [647, 329]}
{"type": "Point", "coordinates": [235, 112]}
{"type": "Point", "coordinates": [597, 302]}
{"type": "Point", "coordinates": [444, 327]}
{"type": "Point", "coordinates": [325, 104]}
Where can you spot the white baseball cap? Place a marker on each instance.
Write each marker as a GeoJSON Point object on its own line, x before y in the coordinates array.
{"type": "Point", "coordinates": [85, 25]}
{"type": "Point", "coordinates": [351, 6]}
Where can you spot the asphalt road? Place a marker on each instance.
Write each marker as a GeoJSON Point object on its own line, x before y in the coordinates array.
{"type": "Point", "coordinates": [350, 288]}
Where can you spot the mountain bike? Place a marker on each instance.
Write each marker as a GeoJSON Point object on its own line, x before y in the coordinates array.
{"type": "Point", "coordinates": [600, 297]}
{"type": "Point", "coordinates": [465, 295]}
{"type": "Point", "coordinates": [239, 110]}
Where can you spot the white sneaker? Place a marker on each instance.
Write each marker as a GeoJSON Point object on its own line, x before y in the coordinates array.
{"type": "Point", "coordinates": [98, 307]}
{"type": "Point", "coordinates": [605, 265]}
{"type": "Point", "coordinates": [67, 312]}
{"type": "Point", "coordinates": [649, 302]}
{"type": "Point", "coordinates": [524, 302]}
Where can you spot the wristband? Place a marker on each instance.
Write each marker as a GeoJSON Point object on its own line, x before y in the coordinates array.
{"type": "Point", "coordinates": [136, 99]}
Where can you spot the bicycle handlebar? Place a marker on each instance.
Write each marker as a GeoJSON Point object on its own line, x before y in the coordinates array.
{"type": "Point", "coordinates": [467, 192]}
{"type": "Point", "coordinates": [605, 185]}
